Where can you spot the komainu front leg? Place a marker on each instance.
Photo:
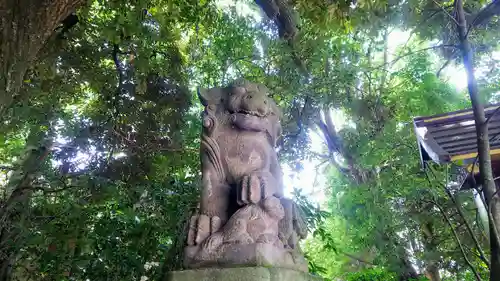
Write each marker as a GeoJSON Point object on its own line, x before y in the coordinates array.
{"type": "Point", "coordinates": [293, 226]}
{"type": "Point", "coordinates": [201, 227]}
{"type": "Point", "coordinates": [255, 187]}
{"type": "Point", "coordinates": [212, 216]}
{"type": "Point", "coordinates": [214, 202]}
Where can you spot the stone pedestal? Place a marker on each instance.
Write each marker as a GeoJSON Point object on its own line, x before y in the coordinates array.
{"type": "Point", "coordinates": [257, 254]}
{"type": "Point", "coordinates": [241, 274]}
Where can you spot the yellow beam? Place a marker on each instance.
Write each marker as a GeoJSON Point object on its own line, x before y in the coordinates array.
{"type": "Point", "coordinates": [456, 114]}
{"type": "Point", "coordinates": [472, 155]}
{"type": "Point", "coordinates": [476, 168]}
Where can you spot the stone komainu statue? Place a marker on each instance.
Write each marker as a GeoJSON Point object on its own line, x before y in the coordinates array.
{"type": "Point", "coordinates": [243, 218]}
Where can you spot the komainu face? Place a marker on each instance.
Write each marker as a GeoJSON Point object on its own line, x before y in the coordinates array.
{"type": "Point", "coordinates": [241, 97]}
{"type": "Point", "coordinates": [251, 99]}
{"type": "Point", "coordinates": [244, 105]}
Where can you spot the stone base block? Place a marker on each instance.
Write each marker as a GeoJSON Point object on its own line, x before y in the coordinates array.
{"type": "Point", "coordinates": [241, 274]}
{"type": "Point", "coordinates": [257, 254]}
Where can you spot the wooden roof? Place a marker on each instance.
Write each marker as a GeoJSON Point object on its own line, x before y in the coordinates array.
{"type": "Point", "coordinates": [450, 137]}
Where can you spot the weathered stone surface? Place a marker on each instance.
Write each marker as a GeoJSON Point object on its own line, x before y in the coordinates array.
{"type": "Point", "coordinates": [257, 254]}
{"type": "Point", "coordinates": [243, 217]}
{"type": "Point", "coordinates": [241, 274]}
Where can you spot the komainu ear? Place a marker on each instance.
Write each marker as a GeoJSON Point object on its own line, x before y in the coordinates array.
{"type": "Point", "coordinates": [262, 88]}
{"type": "Point", "coordinates": [210, 96]}
{"type": "Point", "coordinates": [277, 133]}
{"type": "Point", "coordinates": [239, 82]}
{"type": "Point", "coordinates": [275, 109]}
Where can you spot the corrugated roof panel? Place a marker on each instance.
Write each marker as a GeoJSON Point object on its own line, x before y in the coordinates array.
{"type": "Point", "coordinates": [449, 136]}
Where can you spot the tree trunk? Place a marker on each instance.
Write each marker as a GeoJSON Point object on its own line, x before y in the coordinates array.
{"type": "Point", "coordinates": [485, 14]}
{"type": "Point", "coordinates": [25, 27]}
{"type": "Point", "coordinates": [13, 210]}
{"type": "Point", "coordinates": [407, 271]}
{"type": "Point", "coordinates": [432, 272]}
{"type": "Point", "coordinates": [432, 259]}
{"type": "Point", "coordinates": [483, 144]}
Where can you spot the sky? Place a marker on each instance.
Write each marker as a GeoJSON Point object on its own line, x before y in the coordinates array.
{"type": "Point", "coordinates": [310, 180]}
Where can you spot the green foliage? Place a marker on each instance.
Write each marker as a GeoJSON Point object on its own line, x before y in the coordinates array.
{"type": "Point", "coordinates": [113, 105]}
{"type": "Point", "coordinates": [371, 275]}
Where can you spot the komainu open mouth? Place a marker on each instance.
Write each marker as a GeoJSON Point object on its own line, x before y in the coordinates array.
{"type": "Point", "coordinates": [251, 112]}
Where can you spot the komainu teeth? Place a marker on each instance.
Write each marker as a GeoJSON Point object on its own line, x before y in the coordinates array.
{"type": "Point", "coordinates": [254, 113]}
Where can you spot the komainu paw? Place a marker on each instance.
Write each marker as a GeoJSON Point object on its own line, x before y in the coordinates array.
{"type": "Point", "coordinates": [250, 190]}
{"type": "Point", "coordinates": [201, 227]}
{"type": "Point", "coordinates": [255, 187]}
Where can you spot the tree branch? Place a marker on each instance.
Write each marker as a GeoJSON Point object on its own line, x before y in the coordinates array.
{"type": "Point", "coordinates": [446, 12]}
{"type": "Point", "coordinates": [490, 217]}
{"type": "Point", "coordinates": [359, 259]}
{"type": "Point", "coordinates": [417, 51]}
{"type": "Point", "coordinates": [118, 65]}
{"type": "Point", "coordinates": [457, 239]}
{"type": "Point", "coordinates": [300, 118]}
{"type": "Point", "coordinates": [485, 14]}
{"type": "Point", "coordinates": [52, 191]}
{"type": "Point", "coordinates": [7, 168]}
{"type": "Point", "coordinates": [462, 215]}
{"type": "Point", "coordinates": [438, 73]}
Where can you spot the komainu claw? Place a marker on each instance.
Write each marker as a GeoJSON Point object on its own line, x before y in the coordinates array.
{"type": "Point", "coordinates": [201, 227]}
{"type": "Point", "coordinates": [250, 191]}
{"type": "Point", "coordinates": [255, 187]}
{"type": "Point", "coordinates": [215, 224]}
{"type": "Point", "coordinates": [191, 239]}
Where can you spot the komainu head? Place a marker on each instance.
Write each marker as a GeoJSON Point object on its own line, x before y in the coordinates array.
{"type": "Point", "coordinates": [242, 105]}
{"type": "Point", "coordinates": [241, 96]}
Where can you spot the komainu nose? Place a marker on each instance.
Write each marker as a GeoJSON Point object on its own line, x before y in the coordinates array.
{"type": "Point", "coordinates": [263, 110]}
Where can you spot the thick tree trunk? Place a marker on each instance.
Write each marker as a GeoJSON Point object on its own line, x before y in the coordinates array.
{"type": "Point", "coordinates": [13, 210]}
{"type": "Point", "coordinates": [407, 271]}
{"type": "Point", "coordinates": [483, 144]}
{"type": "Point", "coordinates": [25, 27]}
{"type": "Point", "coordinates": [432, 260]}
{"type": "Point", "coordinates": [432, 272]}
